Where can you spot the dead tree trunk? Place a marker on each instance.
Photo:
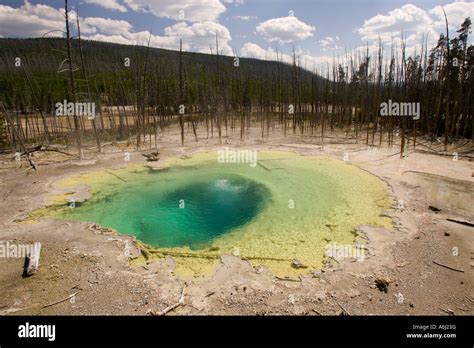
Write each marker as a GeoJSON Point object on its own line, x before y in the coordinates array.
{"type": "Point", "coordinates": [72, 82]}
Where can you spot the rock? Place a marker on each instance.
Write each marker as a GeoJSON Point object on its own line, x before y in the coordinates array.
{"type": "Point", "coordinates": [297, 264]}
{"type": "Point", "coordinates": [382, 284]}
{"type": "Point", "coordinates": [447, 234]}
{"type": "Point", "coordinates": [152, 156]}
{"type": "Point", "coordinates": [433, 208]}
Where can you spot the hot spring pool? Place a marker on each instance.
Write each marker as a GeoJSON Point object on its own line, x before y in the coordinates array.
{"type": "Point", "coordinates": [166, 214]}
{"type": "Point", "coordinates": [287, 207]}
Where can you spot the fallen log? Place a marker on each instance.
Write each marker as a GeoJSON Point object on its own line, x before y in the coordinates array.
{"type": "Point", "coordinates": [461, 222]}
{"type": "Point", "coordinates": [173, 306]}
{"type": "Point", "coordinates": [205, 256]}
{"type": "Point", "coordinates": [31, 149]}
{"type": "Point", "coordinates": [344, 311]}
{"type": "Point", "coordinates": [10, 310]}
{"type": "Point", "coordinates": [58, 151]}
{"type": "Point", "coordinates": [60, 301]}
{"type": "Point", "coordinates": [449, 311]}
{"type": "Point", "coordinates": [448, 267]}
{"type": "Point", "coordinates": [287, 279]}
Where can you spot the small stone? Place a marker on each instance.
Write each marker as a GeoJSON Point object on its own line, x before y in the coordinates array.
{"type": "Point", "coordinates": [382, 284]}
{"type": "Point", "coordinates": [297, 264]}
{"type": "Point", "coordinates": [447, 234]}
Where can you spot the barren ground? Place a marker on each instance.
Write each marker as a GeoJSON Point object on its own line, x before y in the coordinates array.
{"type": "Point", "coordinates": [78, 259]}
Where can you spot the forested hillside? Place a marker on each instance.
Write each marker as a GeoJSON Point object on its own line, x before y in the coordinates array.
{"type": "Point", "coordinates": [115, 71]}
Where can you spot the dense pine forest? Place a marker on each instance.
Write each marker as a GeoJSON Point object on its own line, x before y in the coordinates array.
{"type": "Point", "coordinates": [140, 91]}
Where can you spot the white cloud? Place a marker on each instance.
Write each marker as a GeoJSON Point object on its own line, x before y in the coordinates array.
{"type": "Point", "coordinates": [35, 20]}
{"type": "Point", "coordinates": [285, 29]}
{"type": "Point", "coordinates": [251, 50]}
{"type": "Point", "coordinates": [245, 18]}
{"type": "Point", "coordinates": [456, 13]}
{"type": "Point", "coordinates": [200, 36]}
{"type": "Point", "coordinates": [91, 25]}
{"type": "Point", "coordinates": [30, 20]}
{"type": "Point", "coordinates": [329, 43]}
{"type": "Point", "coordinates": [138, 38]}
{"type": "Point", "coordinates": [108, 4]}
{"type": "Point", "coordinates": [196, 37]}
{"type": "Point", "coordinates": [415, 23]}
{"type": "Point", "coordinates": [193, 10]}
{"type": "Point", "coordinates": [408, 19]}
{"type": "Point", "coordinates": [235, 2]}
{"type": "Point", "coordinates": [308, 61]}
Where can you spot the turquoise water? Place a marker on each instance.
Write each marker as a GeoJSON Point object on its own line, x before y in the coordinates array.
{"type": "Point", "coordinates": [288, 206]}
{"type": "Point", "coordinates": [187, 214]}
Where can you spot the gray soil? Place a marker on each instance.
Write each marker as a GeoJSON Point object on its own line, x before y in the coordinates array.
{"type": "Point", "coordinates": [424, 266]}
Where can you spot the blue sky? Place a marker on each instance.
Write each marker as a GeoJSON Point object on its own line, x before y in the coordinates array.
{"type": "Point", "coordinates": [318, 29]}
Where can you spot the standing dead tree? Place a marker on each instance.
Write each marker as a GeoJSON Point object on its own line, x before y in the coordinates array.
{"type": "Point", "coordinates": [182, 106]}
{"type": "Point", "coordinates": [86, 80]}
{"type": "Point", "coordinates": [19, 137]}
{"type": "Point", "coordinates": [72, 82]}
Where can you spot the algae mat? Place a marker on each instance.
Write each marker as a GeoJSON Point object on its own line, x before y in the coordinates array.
{"type": "Point", "coordinates": [287, 207]}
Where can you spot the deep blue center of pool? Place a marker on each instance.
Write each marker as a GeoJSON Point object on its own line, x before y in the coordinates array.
{"type": "Point", "coordinates": [192, 214]}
